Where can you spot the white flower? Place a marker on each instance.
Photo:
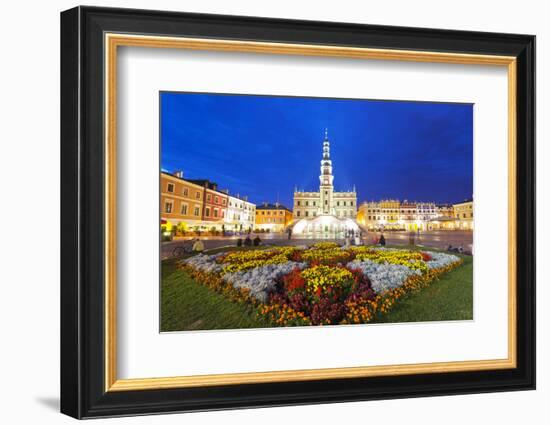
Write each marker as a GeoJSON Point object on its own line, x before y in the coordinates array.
{"type": "Point", "coordinates": [383, 276]}
{"type": "Point", "coordinates": [204, 263]}
{"type": "Point", "coordinates": [440, 259]}
{"type": "Point", "coordinates": [261, 280]}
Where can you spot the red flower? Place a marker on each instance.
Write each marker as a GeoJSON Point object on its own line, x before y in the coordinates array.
{"type": "Point", "coordinates": [426, 256]}
{"type": "Point", "coordinates": [294, 281]}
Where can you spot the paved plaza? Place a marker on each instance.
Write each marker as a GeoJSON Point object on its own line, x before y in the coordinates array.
{"type": "Point", "coordinates": [435, 239]}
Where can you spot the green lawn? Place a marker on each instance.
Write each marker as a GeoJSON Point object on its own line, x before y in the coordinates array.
{"type": "Point", "coordinates": [188, 305]}
{"type": "Point", "coordinates": [448, 298]}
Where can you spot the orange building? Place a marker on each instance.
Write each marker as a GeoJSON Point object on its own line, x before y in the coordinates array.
{"type": "Point", "coordinates": [273, 217]}
{"type": "Point", "coordinates": [181, 201]}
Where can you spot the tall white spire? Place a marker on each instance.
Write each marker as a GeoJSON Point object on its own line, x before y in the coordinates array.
{"type": "Point", "coordinates": [326, 179]}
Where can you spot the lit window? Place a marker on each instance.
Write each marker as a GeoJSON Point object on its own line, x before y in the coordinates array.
{"type": "Point", "coordinates": [168, 207]}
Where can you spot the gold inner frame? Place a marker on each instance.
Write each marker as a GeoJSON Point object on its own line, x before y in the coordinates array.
{"type": "Point", "coordinates": [113, 41]}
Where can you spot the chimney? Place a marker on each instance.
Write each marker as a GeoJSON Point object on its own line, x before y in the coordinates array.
{"type": "Point", "coordinates": [265, 204]}
{"type": "Point", "coordinates": [277, 204]}
{"type": "Point", "coordinates": [245, 198]}
{"type": "Point", "coordinates": [214, 186]}
{"type": "Point", "coordinates": [178, 173]}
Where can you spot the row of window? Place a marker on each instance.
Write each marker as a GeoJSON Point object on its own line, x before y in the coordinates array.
{"type": "Point", "coordinates": [169, 209]}
{"type": "Point", "coordinates": [349, 213]}
{"type": "Point", "coordinates": [274, 220]}
{"type": "Point", "coordinates": [170, 187]}
{"type": "Point", "coordinates": [393, 217]}
{"type": "Point", "coordinates": [241, 206]}
{"type": "Point", "coordinates": [420, 211]}
{"type": "Point", "coordinates": [216, 212]}
{"type": "Point", "coordinates": [408, 217]}
{"type": "Point", "coordinates": [314, 203]}
{"type": "Point", "coordinates": [216, 199]}
{"type": "Point", "coordinates": [270, 212]}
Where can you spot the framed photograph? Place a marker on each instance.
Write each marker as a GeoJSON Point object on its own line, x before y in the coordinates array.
{"type": "Point", "coordinates": [261, 212]}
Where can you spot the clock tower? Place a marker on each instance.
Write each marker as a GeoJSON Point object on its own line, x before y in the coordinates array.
{"type": "Point", "coordinates": [326, 179]}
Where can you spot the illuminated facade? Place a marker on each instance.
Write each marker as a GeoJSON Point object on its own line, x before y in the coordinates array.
{"type": "Point", "coordinates": [272, 217]}
{"type": "Point", "coordinates": [326, 213]}
{"type": "Point", "coordinates": [199, 205]}
{"type": "Point", "coordinates": [326, 201]}
{"type": "Point", "coordinates": [241, 213]}
{"type": "Point", "coordinates": [464, 214]}
{"type": "Point", "coordinates": [180, 201]}
{"type": "Point", "coordinates": [413, 216]}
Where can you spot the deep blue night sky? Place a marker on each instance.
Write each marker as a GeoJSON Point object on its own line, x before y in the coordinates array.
{"type": "Point", "coordinates": [264, 146]}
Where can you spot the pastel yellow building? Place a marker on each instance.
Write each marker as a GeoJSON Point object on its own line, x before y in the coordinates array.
{"type": "Point", "coordinates": [272, 217]}
{"type": "Point", "coordinates": [464, 214]}
{"type": "Point", "coordinates": [392, 214]}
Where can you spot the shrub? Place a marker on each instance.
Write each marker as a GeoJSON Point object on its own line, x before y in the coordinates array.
{"type": "Point", "coordinates": [325, 245]}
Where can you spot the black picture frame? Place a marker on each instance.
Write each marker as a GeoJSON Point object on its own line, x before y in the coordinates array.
{"type": "Point", "coordinates": [82, 219]}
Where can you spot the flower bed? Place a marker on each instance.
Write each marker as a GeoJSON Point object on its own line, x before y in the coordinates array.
{"type": "Point", "coordinates": [321, 285]}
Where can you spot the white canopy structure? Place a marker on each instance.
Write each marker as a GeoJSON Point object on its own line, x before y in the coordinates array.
{"type": "Point", "coordinates": [324, 224]}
